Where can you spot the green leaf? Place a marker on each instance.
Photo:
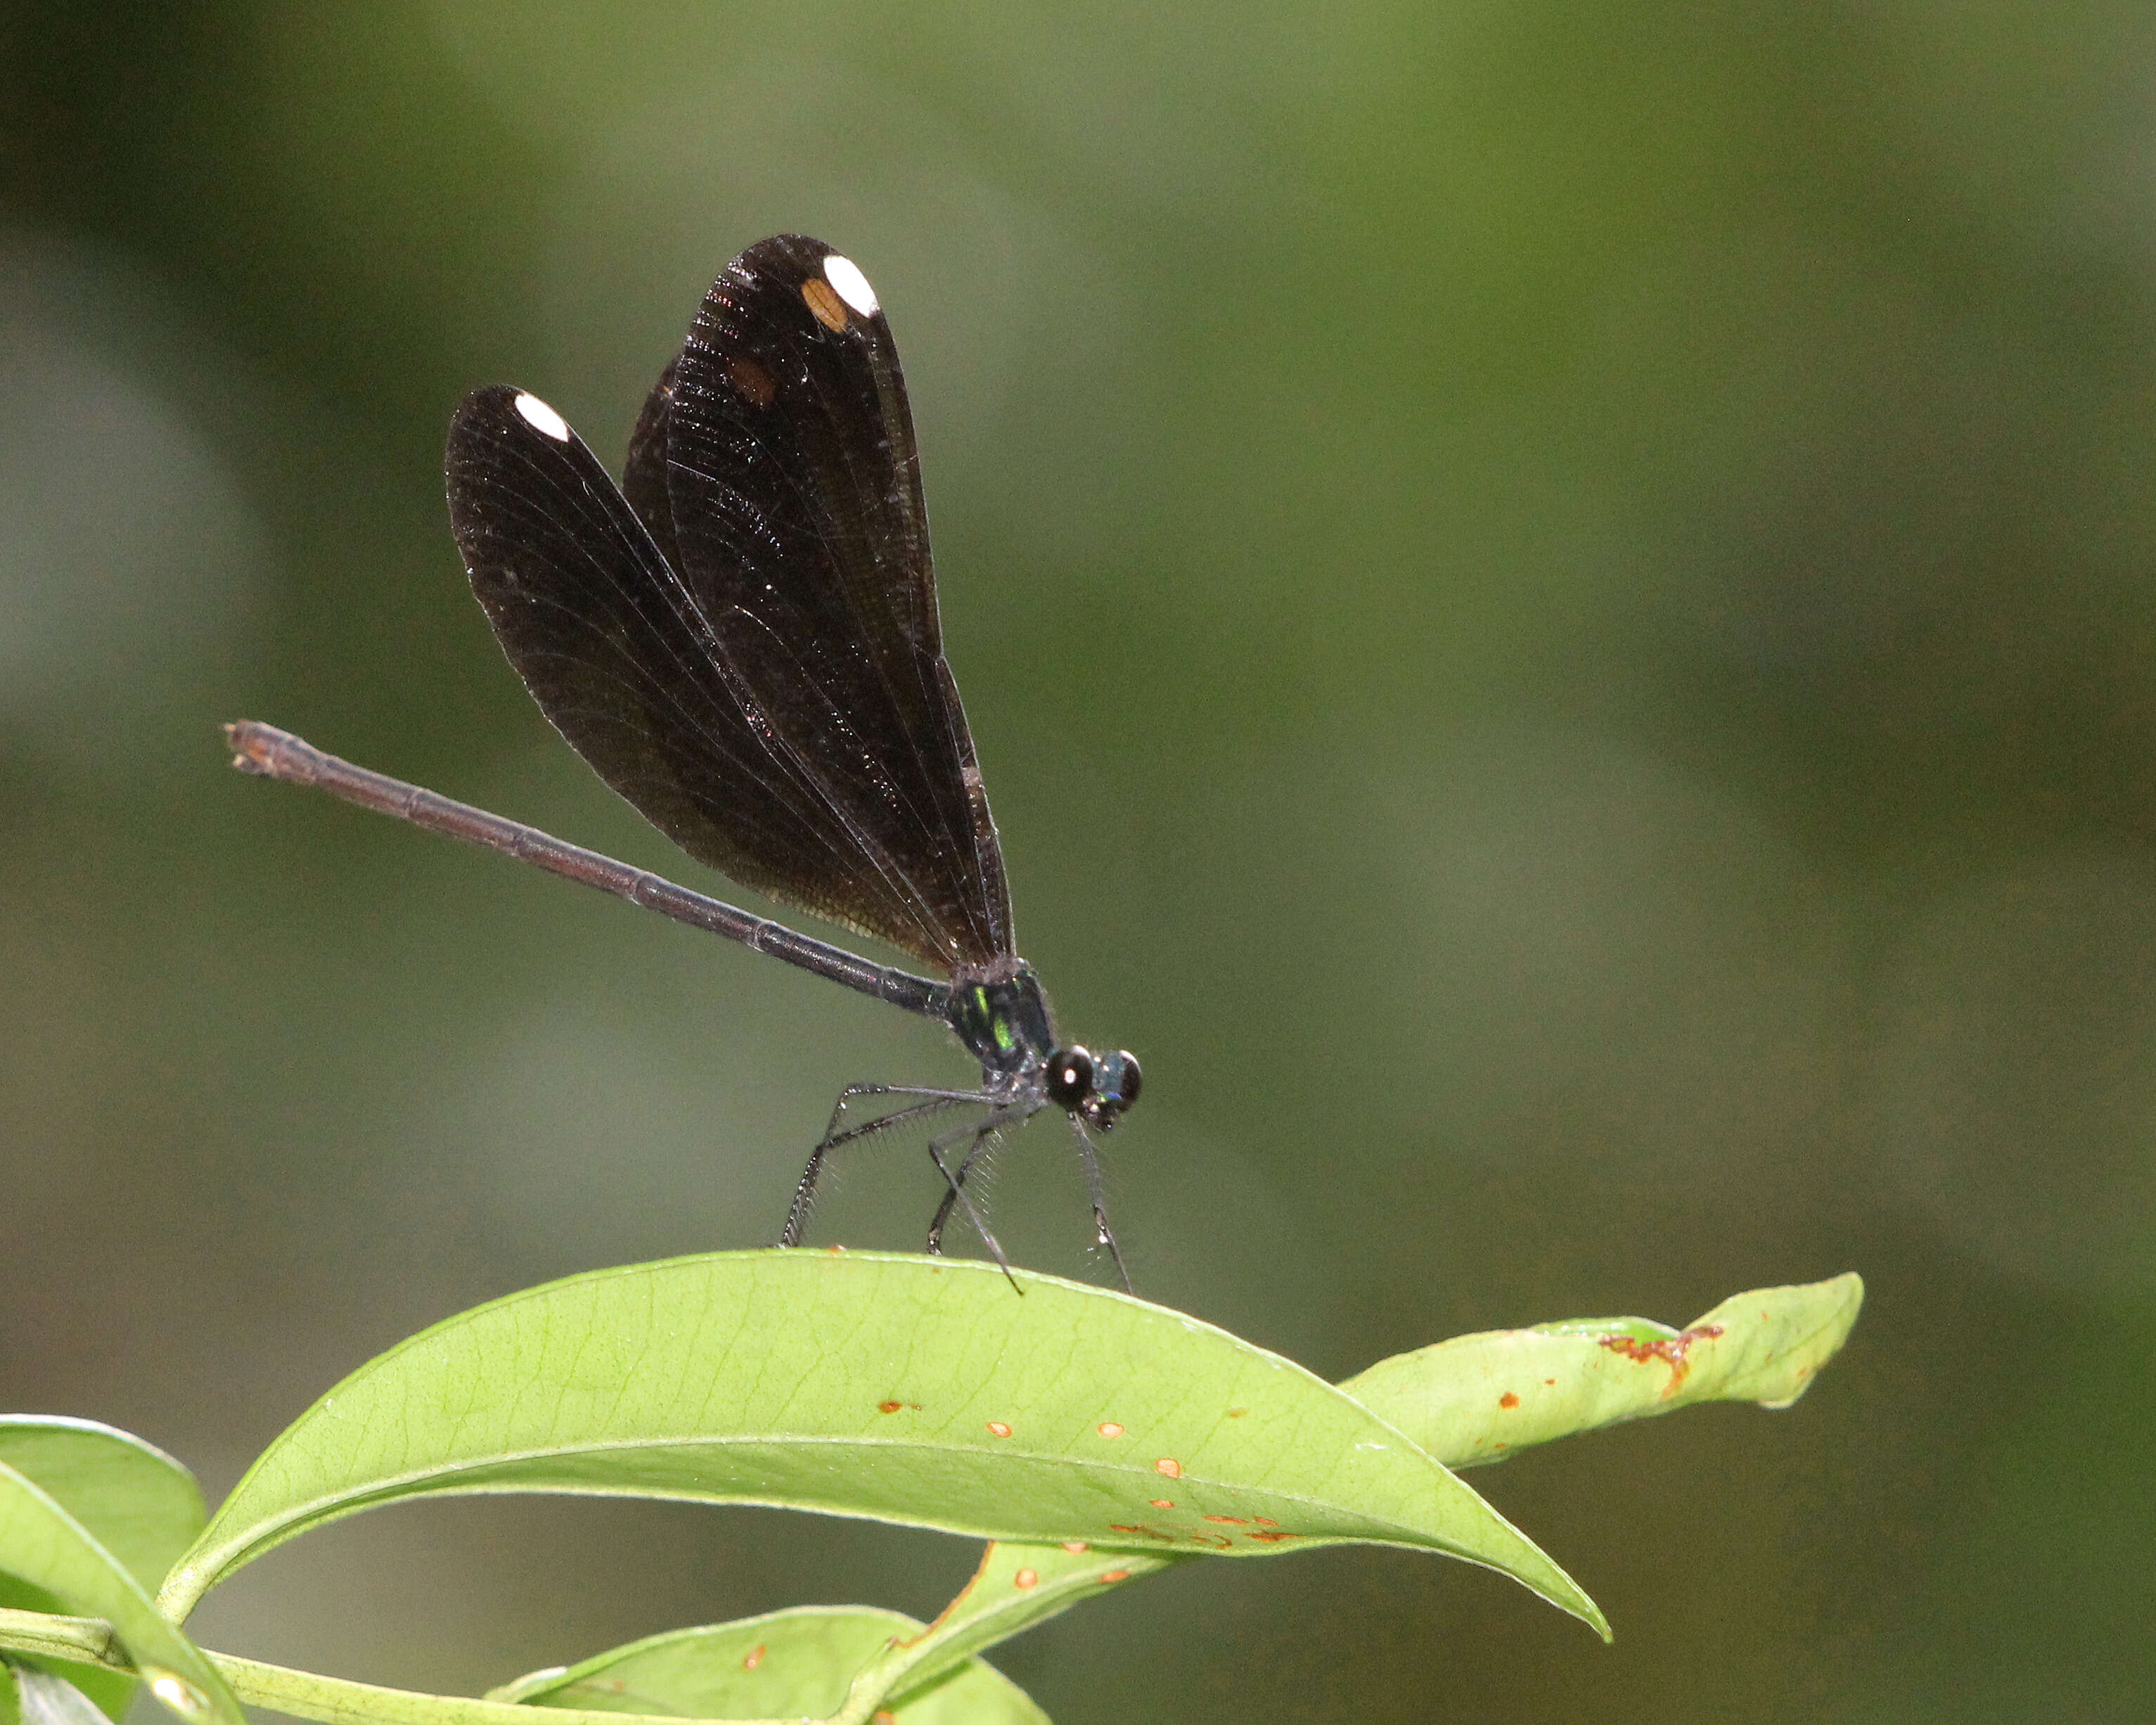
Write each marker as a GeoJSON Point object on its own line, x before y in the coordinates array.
{"type": "Point", "coordinates": [1764, 1347]}
{"type": "Point", "coordinates": [1017, 1586]}
{"type": "Point", "coordinates": [140, 1504]}
{"type": "Point", "coordinates": [1479, 1398]}
{"type": "Point", "coordinates": [903, 1389]}
{"type": "Point", "coordinates": [788, 1663]}
{"type": "Point", "coordinates": [41, 1542]}
{"type": "Point", "coordinates": [30, 1697]}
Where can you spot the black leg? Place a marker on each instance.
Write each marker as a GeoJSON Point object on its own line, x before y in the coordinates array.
{"type": "Point", "coordinates": [804, 1194]}
{"type": "Point", "coordinates": [983, 1137]}
{"type": "Point", "coordinates": [936, 1146]}
{"type": "Point", "coordinates": [1102, 1234]}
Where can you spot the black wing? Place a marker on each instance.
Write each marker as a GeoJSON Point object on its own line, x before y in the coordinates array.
{"type": "Point", "coordinates": [750, 654]}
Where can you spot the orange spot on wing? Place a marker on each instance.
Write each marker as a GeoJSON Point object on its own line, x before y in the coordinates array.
{"type": "Point", "coordinates": [752, 380]}
{"type": "Point", "coordinates": [1169, 1465]}
{"type": "Point", "coordinates": [829, 309]}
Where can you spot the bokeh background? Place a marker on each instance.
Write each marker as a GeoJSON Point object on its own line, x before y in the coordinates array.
{"type": "Point", "coordinates": [1559, 605]}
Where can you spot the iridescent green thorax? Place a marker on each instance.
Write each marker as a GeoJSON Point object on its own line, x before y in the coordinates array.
{"type": "Point", "coordinates": [1004, 1020]}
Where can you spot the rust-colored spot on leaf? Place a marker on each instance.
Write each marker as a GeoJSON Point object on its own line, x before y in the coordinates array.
{"type": "Point", "coordinates": [997, 1428]}
{"type": "Point", "coordinates": [753, 1658]}
{"type": "Point", "coordinates": [1074, 1546]}
{"type": "Point", "coordinates": [1216, 1541]}
{"type": "Point", "coordinates": [884, 1715]}
{"type": "Point", "coordinates": [1024, 1579]}
{"type": "Point", "coordinates": [1107, 1575]}
{"type": "Point", "coordinates": [1671, 1350]}
{"type": "Point", "coordinates": [752, 380]}
{"type": "Point", "coordinates": [1550, 1382]}
{"type": "Point", "coordinates": [1273, 1539]}
{"type": "Point", "coordinates": [1141, 1530]}
{"type": "Point", "coordinates": [1508, 1400]}
{"type": "Point", "coordinates": [829, 309]}
{"type": "Point", "coordinates": [1230, 1520]}
{"type": "Point", "coordinates": [1237, 1413]}
{"type": "Point", "coordinates": [1161, 1502]}
{"type": "Point", "coordinates": [1109, 1429]}
{"type": "Point", "coordinates": [1264, 1520]}
{"type": "Point", "coordinates": [1170, 1467]}
{"type": "Point", "coordinates": [889, 1407]}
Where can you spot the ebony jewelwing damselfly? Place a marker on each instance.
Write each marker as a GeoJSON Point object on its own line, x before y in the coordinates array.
{"type": "Point", "coordinates": [741, 639]}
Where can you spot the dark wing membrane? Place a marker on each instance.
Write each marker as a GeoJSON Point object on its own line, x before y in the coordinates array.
{"type": "Point", "coordinates": [644, 477]}
{"type": "Point", "coordinates": [792, 493]}
{"type": "Point", "coordinates": [623, 660]}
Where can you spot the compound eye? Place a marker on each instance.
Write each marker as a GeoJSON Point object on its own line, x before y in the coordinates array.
{"type": "Point", "coordinates": [1069, 1077]}
{"type": "Point", "coordinates": [1115, 1087]}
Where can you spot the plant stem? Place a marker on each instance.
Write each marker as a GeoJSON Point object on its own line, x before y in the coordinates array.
{"type": "Point", "coordinates": [334, 1701]}
{"type": "Point", "coordinates": [88, 1640]}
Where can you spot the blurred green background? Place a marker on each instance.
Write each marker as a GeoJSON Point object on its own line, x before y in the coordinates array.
{"type": "Point", "coordinates": [1559, 605]}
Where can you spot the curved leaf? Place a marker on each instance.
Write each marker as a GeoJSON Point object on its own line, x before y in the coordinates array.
{"type": "Point", "coordinates": [42, 1544]}
{"type": "Point", "coordinates": [1478, 1399]}
{"type": "Point", "coordinates": [1016, 1586]}
{"type": "Point", "coordinates": [800, 1661]}
{"type": "Point", "coordinates": [902, 1389]}
{"type": "Point", "coordinates": [141, 1505]}
{"type": "Point", "coordinates": [1765, 1346]}
{"type": "Point", "coordinates": [135, 1499]}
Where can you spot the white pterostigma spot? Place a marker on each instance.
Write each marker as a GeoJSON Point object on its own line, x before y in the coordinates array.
{"type": "Point", "coordinates": [542, 418]}
{"type": "Point", "coordinates": [853, 286]}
